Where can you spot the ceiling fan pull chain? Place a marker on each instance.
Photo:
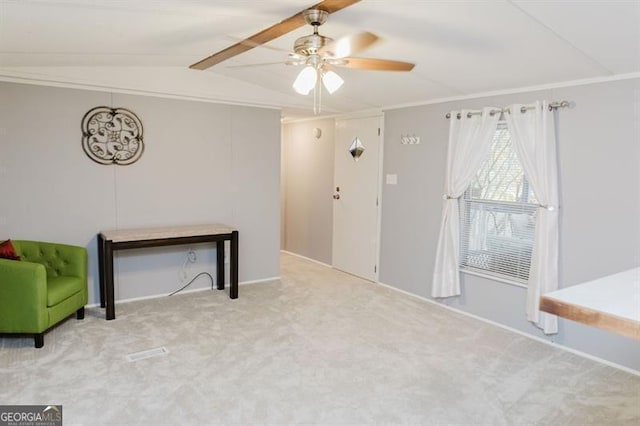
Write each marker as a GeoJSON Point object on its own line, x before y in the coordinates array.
{"type": "Point", "coordinates": [319, 91]}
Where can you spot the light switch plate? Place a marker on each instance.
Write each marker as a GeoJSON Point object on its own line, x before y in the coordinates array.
{"type": "Point", "coordinates": [392, 179]}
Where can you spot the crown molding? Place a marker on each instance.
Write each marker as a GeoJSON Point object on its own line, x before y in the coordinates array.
{"type": "Point", "coordinates": [66, 84]}
{"type": "Point", "coordinates": [571, 83]}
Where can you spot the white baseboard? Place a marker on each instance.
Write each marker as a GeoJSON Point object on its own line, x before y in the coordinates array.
{"type": "Point", "coordinates": [157, 296]}
{"type": "Point", "coordinates": [522, 333]}
{"type": "Point", "coordinates": [306, 258]}
{"type": "Point", "coordinates": [152, 296]}
{"type": "Point", "coordinates": [260, 281]}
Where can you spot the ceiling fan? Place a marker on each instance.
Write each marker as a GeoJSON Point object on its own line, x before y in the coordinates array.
{"type": "Point", "coordinates": [317, 53]}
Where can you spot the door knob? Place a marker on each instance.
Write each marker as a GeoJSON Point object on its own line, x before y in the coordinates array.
{"type": "Point", "coordinates": [336, 196]}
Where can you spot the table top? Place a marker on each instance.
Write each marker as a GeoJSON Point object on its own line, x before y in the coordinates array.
{"type": "Point", "coordinates": [139, 234]}
{"type": "Point", "coordinates": [611, 302]}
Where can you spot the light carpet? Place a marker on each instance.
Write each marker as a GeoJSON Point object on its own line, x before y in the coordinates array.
{"type": "Point", "coordinates": [316, 347]}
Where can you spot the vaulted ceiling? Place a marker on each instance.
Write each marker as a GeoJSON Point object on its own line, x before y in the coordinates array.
{"type": "Point", "coordinates": [460, 48]}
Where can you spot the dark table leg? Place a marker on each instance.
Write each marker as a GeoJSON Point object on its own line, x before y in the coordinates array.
{"type": "Point", "coordinates": [233, 292]}
{"type": "Point", "coordinates": [220, 264]}
{"type": "Point", "coordinates": [108, 280]}
{"type": "Point", "coordinates": [101, 270]}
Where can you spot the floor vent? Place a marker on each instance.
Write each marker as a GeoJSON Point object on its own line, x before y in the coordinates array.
{"type": "Point", "coordinates": [137, 356]}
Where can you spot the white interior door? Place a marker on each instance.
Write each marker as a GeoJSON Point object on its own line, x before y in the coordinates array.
{"type": "Point", "coordinates": [356, 195]}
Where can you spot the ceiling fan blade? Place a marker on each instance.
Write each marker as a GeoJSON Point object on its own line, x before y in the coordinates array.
{"type": "Point", "coordinates": [294, 22]}
{"type": "Point", "coordinates": [293, 59]}
{"type": "Point", "coordinates": [373, 64]}
{"type": "Point", "coordinates": [252, 44]}
{"type": "Point", "coordinates": [254, 65]}
{"type": "Point", "coordinates": [349, 45]}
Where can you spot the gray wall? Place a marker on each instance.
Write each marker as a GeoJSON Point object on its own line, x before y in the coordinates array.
{"type": "Point", "coordinates": [202, 163]}
{"type": "Point", "coordinates": [308, 187]}
{"type": "Point", "coordinates": [599, 156]}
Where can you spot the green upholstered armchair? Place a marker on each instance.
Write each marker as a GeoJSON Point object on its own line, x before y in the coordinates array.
{"type": "Point", "coordinates": [47, 285]}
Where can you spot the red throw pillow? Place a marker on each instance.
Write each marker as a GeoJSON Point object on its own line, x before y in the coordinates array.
{"type": "Point", "coordinates": [7, 251]}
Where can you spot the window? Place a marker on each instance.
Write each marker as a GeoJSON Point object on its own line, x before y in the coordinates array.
{"type": "Point", "coordinates": [497, 214]}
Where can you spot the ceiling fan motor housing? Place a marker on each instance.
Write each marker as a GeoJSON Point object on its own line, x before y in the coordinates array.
{"type": "Point", "coordinates": [311, 44]}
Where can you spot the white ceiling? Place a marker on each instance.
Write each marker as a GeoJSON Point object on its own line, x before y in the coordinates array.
{"type": "Point", "coordinates": [460, 48]}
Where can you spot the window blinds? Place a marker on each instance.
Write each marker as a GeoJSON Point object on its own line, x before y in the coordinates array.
{"type": "Point", "coordinates": [497, 214]}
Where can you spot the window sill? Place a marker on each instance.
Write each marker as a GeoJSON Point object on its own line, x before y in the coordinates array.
{"type": "Point", "coordinates": [493, 277]}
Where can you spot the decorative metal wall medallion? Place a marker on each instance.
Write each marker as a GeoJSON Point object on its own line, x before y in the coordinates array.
{"type": "Point", "coordinates": [356, 149]}
{"type": "Point", "coordinates": [112, 136]}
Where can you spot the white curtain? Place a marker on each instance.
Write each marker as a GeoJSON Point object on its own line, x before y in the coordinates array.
{"type": "Point", "coordinates": [533, 138]}
{"type": "Point", "coordinates": [469, 142]}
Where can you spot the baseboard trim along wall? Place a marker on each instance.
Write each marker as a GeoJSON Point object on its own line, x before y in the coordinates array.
{"type": "Point", "coordinates": [157, 296]}
{"type": "Point", "coordinates": [260, 281]}
{"type": "Point", "coordinates": [306, 258]}
{"type": "Point", "coordinates": [522, 333]}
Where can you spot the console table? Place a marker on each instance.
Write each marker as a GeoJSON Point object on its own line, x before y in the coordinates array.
{"type": "Point", "coordinates": [122, 239]}
{"type": "Point", "coordinates": [611, 303]}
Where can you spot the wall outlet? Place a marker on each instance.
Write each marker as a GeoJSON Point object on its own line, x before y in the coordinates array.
{"type": "Point", "coordinates": [183, 274]}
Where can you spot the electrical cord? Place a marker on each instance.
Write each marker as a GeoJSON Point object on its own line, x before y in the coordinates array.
{"type": "Point", "coordinates": [192, 280]}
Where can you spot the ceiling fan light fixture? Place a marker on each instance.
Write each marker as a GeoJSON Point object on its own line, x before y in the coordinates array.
{"type": "Point", "coordinates": [331, 81]}
{"type": "Point", "coordinates": [306, 80]}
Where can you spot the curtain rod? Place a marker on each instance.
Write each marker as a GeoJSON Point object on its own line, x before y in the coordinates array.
{"type": "Point", "coordinates": [552, 106]}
